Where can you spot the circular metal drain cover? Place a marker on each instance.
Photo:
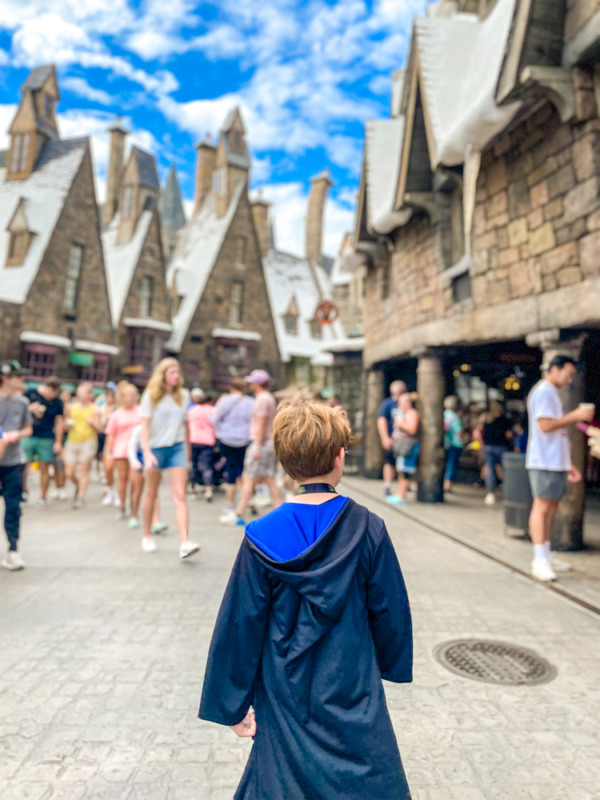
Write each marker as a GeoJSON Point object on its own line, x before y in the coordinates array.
{"type": "Point", "coordinates": [494, 662]}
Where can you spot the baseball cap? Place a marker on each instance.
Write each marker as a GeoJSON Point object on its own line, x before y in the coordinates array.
{"type": "Point", "coordinates": [260, 376]}
{"type": "Point", "coordinates": [11, 368]}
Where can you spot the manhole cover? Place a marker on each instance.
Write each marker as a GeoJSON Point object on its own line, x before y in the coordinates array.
{"type": "Point", "coordinates": [494, 662]}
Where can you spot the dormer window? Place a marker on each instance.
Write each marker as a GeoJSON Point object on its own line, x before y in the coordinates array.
{"type": "Point", "coordinates": [316, 330]}
{"type": "Point", "coordinates": [19, 153]}
{"type": "Point", "coordinates": [17, 248]}
{"type": "Point", "coordinates": [128, 193]}
{"type": "Point", "coordinates": [290, 319]}
{"type": "Point", "coordinates": [19, 237]}
{"type": "Point", "coordinates": [238, 142]}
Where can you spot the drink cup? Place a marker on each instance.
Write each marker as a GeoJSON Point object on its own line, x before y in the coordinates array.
{"type": "Point", "coordinates": [588, 406]}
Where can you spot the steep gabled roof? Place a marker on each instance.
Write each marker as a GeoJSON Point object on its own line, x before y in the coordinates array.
{"type": "Point", "coordinates": [292, 279]}
{"type": "Point", "coordinates": [38, 77]}
{"type": "Point", "coordinates": [193, 261]}
{"type": "Point", "coordinates": [146, 165]}
{"type": "Point", "coordinates": [43, 193]}
{"type": "Point", "coordinates": [458, 59]}
{"type": "Point", "coordinates": [121, 260]}
{"type": "Point", "coordinates": [171, 206]}
{"type": "Point", "coordinates": [242, 159]}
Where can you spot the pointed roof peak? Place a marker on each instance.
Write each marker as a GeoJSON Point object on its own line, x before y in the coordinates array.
{"type": "Point", "coordinates": [323, 176]}
{"type": "Point", "coordinates": [230, 119]}
{"type": "Point", "coordinates": [38, 77]}
{"type": "Point", "coordinates": [173, 214]}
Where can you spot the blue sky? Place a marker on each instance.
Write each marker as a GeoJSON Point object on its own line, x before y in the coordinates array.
{"type": "Point", "coordinates": [306, 74]}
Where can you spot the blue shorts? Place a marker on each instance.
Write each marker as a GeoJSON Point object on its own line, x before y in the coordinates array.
{"type": "Point", "coordinates": [408, 464]}
{"type": "Point", "coordinates": [173, 456]}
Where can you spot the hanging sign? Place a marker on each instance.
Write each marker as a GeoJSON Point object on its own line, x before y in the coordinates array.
{"type": "Point", "coordinates": [326, 313]}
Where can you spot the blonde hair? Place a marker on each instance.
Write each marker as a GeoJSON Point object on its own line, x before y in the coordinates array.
{"type": "Point", "coordinates": [156, 384]}
{"type": "Point", "coordinates": [85, 385]}
{"type": "Point", "coordinates": [125, 386]}
{"type": "Point", "coordinates": [308, 436]}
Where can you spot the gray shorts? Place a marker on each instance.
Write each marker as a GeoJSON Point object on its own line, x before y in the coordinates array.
{"type": "Point", "coordinates": [547, 483]}
{"type": "Point", "coordinates": [265, 466]}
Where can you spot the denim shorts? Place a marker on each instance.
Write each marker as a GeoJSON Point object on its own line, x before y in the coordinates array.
{"type": "Point", "coordinates": [548, 483]}
{"type": "Point", "coordinates": [174, 455]}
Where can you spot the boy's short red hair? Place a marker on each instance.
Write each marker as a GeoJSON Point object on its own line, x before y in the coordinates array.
{"type": "Point", "coordinates": [308, 436]}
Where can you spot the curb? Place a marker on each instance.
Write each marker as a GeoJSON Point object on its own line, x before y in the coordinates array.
{"type": "Point", "coordinates": [554, 587]}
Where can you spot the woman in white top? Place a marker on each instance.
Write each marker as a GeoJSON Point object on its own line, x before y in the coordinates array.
{"type": "Point", "coordinates": [164, 438]}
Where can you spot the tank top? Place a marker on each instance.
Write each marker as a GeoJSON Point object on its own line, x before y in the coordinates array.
{"type": "Point", "coordinates": [80, 431]}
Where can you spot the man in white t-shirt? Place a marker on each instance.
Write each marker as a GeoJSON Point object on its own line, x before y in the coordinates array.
{"type": "Point", "coordinates": [548, 461]}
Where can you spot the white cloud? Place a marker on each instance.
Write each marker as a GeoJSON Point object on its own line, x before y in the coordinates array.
{"type": "Point", "coordinates": [82, 88]}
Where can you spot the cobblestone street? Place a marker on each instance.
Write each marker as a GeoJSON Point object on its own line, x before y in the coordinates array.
{"type": "Point", "coordinates": [102, 650]}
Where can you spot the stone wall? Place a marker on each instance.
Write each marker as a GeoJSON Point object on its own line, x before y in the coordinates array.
{"type": "Point", "coordinates": [536, 235]}
{"type": "Point", "coordinates": [10, 328]}
{"type": "Point", "coordinates": [213, 309]}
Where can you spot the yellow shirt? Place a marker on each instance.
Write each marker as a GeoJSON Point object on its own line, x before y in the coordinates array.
{"type": "Point", "coordinates": [80, 431]}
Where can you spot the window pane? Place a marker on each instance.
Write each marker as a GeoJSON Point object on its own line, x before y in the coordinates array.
{"type": "Point", "coordinates": [461, 287]}
{"type": "Point", "coordinates": [127, 202]}
{"type": "Point", "coordinates": [235, 304]}
{"type": "Point", "coordinates": [146, 297]}
{"type": "Point", "coordinates": [73, 271]}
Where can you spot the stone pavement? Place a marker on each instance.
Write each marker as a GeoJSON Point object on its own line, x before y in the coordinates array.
{"type": "Point", "coordinates": [102, 649]}
{"type": "Point", "coordinates": [465, 518]}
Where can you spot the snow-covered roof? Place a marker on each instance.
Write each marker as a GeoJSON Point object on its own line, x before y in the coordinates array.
{"type": "Point", "coordinates": [194, 259]}
{"type": "Point", "coordinates": [294, 280]}
{"type": "Point", "coordinates": [383, 148]}
{"type": "Point", "coordinates": [460, 58]}
{"type": "Point", "coordinates": [44, 193]}
{"type": "Point", "coordinates": [121, 260]}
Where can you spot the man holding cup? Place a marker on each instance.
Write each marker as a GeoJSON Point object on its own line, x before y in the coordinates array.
{"type": "Point", "coordinates": [548, 460]}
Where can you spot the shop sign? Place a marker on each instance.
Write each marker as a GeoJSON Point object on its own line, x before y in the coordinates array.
{"type": "Point", "coordinates": [81, 359]}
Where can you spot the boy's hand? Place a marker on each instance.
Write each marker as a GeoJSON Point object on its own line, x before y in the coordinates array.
{"type": "Point", "coordinates": [247, 727]}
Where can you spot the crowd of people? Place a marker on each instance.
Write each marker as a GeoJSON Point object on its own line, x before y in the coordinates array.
{"type": "Point", "coordinates": [127, 441]}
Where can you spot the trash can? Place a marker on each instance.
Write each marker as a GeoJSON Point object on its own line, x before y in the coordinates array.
{"type": "Point", "coordinates": [517, 492]}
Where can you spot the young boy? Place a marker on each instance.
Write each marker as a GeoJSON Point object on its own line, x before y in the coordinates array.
{"type": "Point", "coordinates": [314, 616]}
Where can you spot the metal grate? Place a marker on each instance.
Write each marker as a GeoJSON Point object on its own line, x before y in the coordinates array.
{"type": "Point", "coordinates": [494, 662]}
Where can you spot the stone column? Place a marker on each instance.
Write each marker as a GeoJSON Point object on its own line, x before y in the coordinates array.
{"type": "Point", "coordinates": [115, 171]}
{"type": "Point", "coordinates": [431, 388]}
{"type": "Point", "coordinates": [568, 527]}
{"type": "Point", "coordinates": [374, 397]}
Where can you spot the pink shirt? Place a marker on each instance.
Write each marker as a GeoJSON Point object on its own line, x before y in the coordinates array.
{"type": "Point", "coordinates": [201, 430]}
{"type": "Point", "coordinates": [120, 426]}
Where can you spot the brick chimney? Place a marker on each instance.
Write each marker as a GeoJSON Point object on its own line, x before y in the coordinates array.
{"type": "Point", "coordinates": [262, 223]}
{"type": "Point", "coordinates": [314, 217]}
{"type": "Point", "coordinates": [205, 166]}
{"type": "Point", "coordinates": [115, 170]}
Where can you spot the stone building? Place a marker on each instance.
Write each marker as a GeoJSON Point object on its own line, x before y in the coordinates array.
{"type": "Point", "coordinates": [479, 217]}
{"type": "Point", "coordinates": [222, 325]}
{"type": "Point", "coordinates": [135, 266]}
{"type": "Point", "coordinates": [54, 308]}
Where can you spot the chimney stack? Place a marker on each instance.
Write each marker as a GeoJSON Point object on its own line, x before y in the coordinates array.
{"type": "Point", "coordinates": [205, 165]}
{"type": "Point", "coordinates": [262, 223]}
{"type": "Point", "coordinates": [115, 170]}
{"type": "Point", "coordinates": [314, 217]}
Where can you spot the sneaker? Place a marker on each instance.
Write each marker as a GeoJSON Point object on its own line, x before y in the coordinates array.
{"type": "Point", "coordinates": [61, 494]}
{"type": "Point", "coordinates": [133, 523]}
{"type": "Point", "coordinates": [148, 544]}
{"type": "Point", "coordinates": [558, 565]}
{"type": "Point", "coordinates": [262, 501]}
{"type": "Point", "coordinates": [78, 503]}
{"type": "Point", "coordinates": [240, 523]}
{"type": "Point", "coordinates": [108, 498]}
{"type": "Point", "coordinates": [542, 571]}
{"type": "Point", "coordinates": [193, 495]}
{"type": "Point", "coordinates": [13, 561]}
{"type": "Point", "coordinates": [188, 549]}
{"type": "Point", "coordinates": [116, 501]}
{"type": "Point", "coordinates": [160, 527]}
{"type": "Point", "coordinates": [41, 503]}
{"type": "Point", "coordinates": [228, 517]}
{"type": "Point", "coordinates": [120, 515]}
{"type": "Point", "coordinates": [24, 497]}
{"type": "Point", "coordinates": [394, 500]}
{"type": "Point", "coordinates": [53, 494]}
{"type": "Point", "coordinates": [208, 495]}
{"type": "Point", "coordinates": [490, 499]}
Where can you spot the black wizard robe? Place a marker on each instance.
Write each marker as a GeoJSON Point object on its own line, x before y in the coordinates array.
{"type": "Point", "coordinates": [306, 642]}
